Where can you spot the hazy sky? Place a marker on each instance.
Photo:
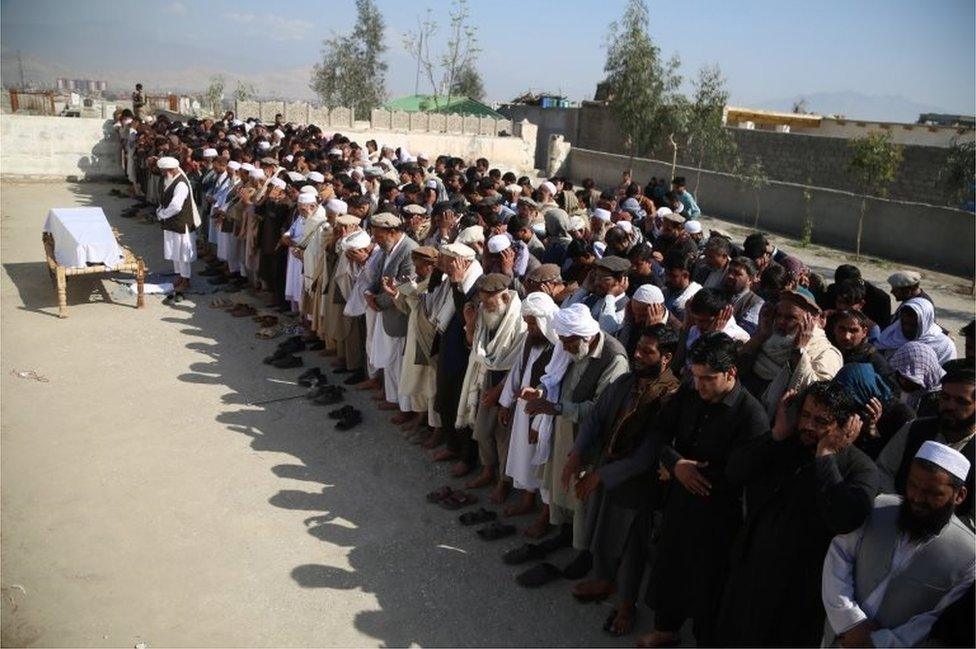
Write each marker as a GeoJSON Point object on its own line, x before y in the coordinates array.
{"type": "Point", "coordinates": [923, 51]}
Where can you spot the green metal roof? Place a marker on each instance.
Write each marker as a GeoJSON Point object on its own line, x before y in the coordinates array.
{"type": "Point", "coordinates": [426, 103]}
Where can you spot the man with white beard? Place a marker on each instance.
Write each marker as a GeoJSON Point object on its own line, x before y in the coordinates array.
{"type": "Point", "coordinates": [586, 361]}
{"type": "Point", "coordinates": [789, 350]}
{"type": "Point", "coordinates": [535, 352]}
{"type": "Point", "coordinates": [494, 329]}
{"type": "Point", "coordinates": [177, 214]}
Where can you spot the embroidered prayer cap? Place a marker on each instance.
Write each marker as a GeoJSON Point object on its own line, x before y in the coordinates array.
{"type": "Point", "coordinates": [549, 187]}
{"type": "Point", "coordinates": [415, 210]}
{"type": "Point", "coordinates": [472, 234]}
{"type": "Point", "coordinates": [946, 457]}
{"type": "Point", "coordinates": [693, 227]}
{"type": "Point", "coordinates": [458, 250]}
{"type": "Point", "coordinates": [602, 214]}
{"type": "Point", "coordinates": [348, 219]}
{"type": "Point", "coordinates": [648, 294]}
{"type": "Point", "coordinates": [315, 177]}
{"type": "Point", "coordinates": [498, 243]}
{"type": "Point", "coordinates": [336, 206]}
{"type": "Point", "coordinates": [278, 182]}
{"type": "Point", "coordinates": [675, 218]}
{"type": "Point", "coordinates": [355, 241]}
{"type": "Point", "coordinates": [308, 189]}
{"type": "Point", "coordinates": [307, 199]}
{"type": "Point", "coordinates": [247, 166]}
{"type": "Point", "coordinates": [264, 145]}
{"type": "Point", "coordinates": [296, 177]}
{"type": "Point", "coordinates": [268, 161]}
{"type": "Point", "coordinates": [257, 174]}
{"type": "Point", "coordinates": [234, 165]}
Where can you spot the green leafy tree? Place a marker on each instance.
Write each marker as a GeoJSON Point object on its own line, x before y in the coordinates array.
{"type": "Point", "coordinates": [753, 176]}
{"type": "Point", "coordinates": [958, 173]}
{"type": "Point", "coordinates": [352, 72]}
{"type": "Point", "coordinates": [215, 94]}
{"type": "Point", "coordinates": [640, 86]}
{"type": "Point", "coordinates": [708, 141]}
{"type": "Point", "coordinates": [468, 83]}
{"type": "Point", "coordinates": [875, 160]}
{"type": "Point", "coordinates": [244, 91]}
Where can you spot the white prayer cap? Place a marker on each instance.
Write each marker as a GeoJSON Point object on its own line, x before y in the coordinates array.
{"type": "Point", "coordinates": [575, 320]}
{"type": "Point", "coordinates": [336, 206]}
{"type": "Point", "coordinates": [602, 214]}
{"type": "Point", "coordinates": [355, 241]}
{"type": "Point", "coordinates": [236, 122]}
{"type": "Point", "coordinates": [662, 212]}
{"type": "Point", "coordinates": [278, 133]}
{"type": "Point", "coordinates": [515, 189]}
{"type": "Point", "coordinates": [498, 243]}
{"type": "Point", "coordinates": [472, 234]}
{"type": "Point", "coordinates": [431, 184]}
{"type": "Point", "coordinates": [278, 182]}
{"type": "Point", "coordinates": [458, 250]}
{"type": "Point", "coordinates": [210, 153]}
{"type": "Point", "coordinates": [648, 294]}
{"type": "Point", "coordinates": [166, 162]}
{"type": "Point", "coordinates": [576, 223]}
{"type": "Point", "coordinates": [295, 177]}
{"type": "Point", "coordinates": [693, 227]}
{"type": "Point", "coordinates": [335, 151]}
{"type": "Point", "coordinates": [356, 171]}
{"type": "Point", "coordinates": [422, 156]}
{"type": "Point", "coordinates": [257, 173]}
{"type": "Point", "coordinates": [373, 171]}
{"type": "Point", "coordinates": [247, 166]}
{"type": "Point", "coordinates": [308, 189]}
{"type": "Point", "coordinates": [680, 208]}
{"type": "Point", "coordinates": [946, 457]}
{"type": "Point", "coordinates": [306, 198]}
{"type": "Point", "coordinates": [549, 187]}
{"type": "Point", "coordinates": [234, 164]}
{"type": "Point", "coordinates": [315, 177]}
{"type": "Point", "coordinates": [289, 158]}
{"type": "Point", "coordinates": [263, 145]}
{"type": "Point", "coordinates": [539, 228]}
{"type": "Point", "coordinates": [626, 226]}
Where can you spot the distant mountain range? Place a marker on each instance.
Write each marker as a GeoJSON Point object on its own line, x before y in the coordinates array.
{"type": "Point", "coordinates": [856, 105]}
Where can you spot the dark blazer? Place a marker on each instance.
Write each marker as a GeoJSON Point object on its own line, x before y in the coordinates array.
{"type": "Point", "coordinates": [397, 265]}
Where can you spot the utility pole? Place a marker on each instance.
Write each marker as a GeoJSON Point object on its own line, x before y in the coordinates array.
{"type": "Point", "coordinates": [20, 62]}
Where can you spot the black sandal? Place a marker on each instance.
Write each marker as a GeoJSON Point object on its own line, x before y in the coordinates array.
{"type": "Point", "coordinates": [496, 531]}
{"type": "Point", "coordinates": [480, 516]}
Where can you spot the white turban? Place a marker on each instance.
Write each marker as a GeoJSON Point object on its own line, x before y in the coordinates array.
{"type": "Point", "coordinates": [295, 177]}
{"type": "Point", "coordinates": [355, 241]}
{"type": "Point", "coordinates": [693, 227]}
{"type": "Point", "coordinates": [278, 182]}
{"type": "Point", "coordinates": [648, 294]}
{"type": "Point", "coordinates": [247, 166]}
{"type": "Point", "coordinates": [257, 173]}
{"type": "Point", "coordinates": [263, 145]}
{"type": "Point", "coordinates": [472, 234]}
{"type": "Point", "coordinates": [542, 307]}
{"type": "Point", "coordinates": [626, 226]}
{"type": "Point", "coordinates": [167, 162]}
{"type": "Point", "coordinates": [336, 206]}
{"type": "Point", "coordinates": [663, 211]}
{"type": "Point", "coordinates": [210, 153]}
{"type": "Point", "coordinates": [946, 457]}
{"type": "Point", "coordinates": [234, 164]}
{"type": "Point", "coordinates": [549, 187]}
{"type": "Point", "coordinates": [308, 189]}
{"type": "Point", "coordinates": [498, 243]}
{"type": "Point", "coordinates": [575, 320]}
{"type": "Point", "coordinates": [602, 214]}
{"type": "Point", "coordinates": [576, 224]}
{"type": "Point", "coordinates": [315, 177]}
{"type": "Point", "coordinates": [307, 199]}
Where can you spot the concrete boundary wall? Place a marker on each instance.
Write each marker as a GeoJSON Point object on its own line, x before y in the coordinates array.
{"type": "Point", "coordinates": [58, 147]}
{"type": "Point", "coordinates": [61, 147]}
{"type": "Point", "coordinates": [929, 236]}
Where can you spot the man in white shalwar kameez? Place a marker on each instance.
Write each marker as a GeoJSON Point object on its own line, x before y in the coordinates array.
{"type": "Point", "coordinates": [179, 219]}
{"type": "Point", "coordinates": [537, 347]}
{"type": "Point", "coordinates": [294, 278]}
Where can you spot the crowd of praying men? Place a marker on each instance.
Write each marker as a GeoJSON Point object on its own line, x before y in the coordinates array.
{"type": "Point", "coordinates": [688, 423]}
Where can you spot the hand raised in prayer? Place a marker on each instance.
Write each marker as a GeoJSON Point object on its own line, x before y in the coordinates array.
{"type": "Point", "coordinates": [782, 427]}
{"type": "Point", "coordinates": [719, 321]}
{"type": "Point", "coordinates": [587, 485]}
{"type": "Point", "coordinates": [838, 440]}
{"type": "Point", "coordinates": [541, 407]}
{"type": "Point", "coordinates": [871, 415]}
{"type": "Point", "coordinates": [805, 334]}
{"type": "Point", "coordinates": [470, 312]}
{"type": "Point", "coordinates": [570, 469]}
{"type": "Point", "coordinates": [688, 473]}
{"type": "Point", "coordinates": [767, 314]}
{"type": "Point", "coordinates": [389, 286]}
{"type": "Point", "coordinates": [507, 257]}
{"type": "Point", "coordinates": [620, 287]}
{"type": "Point", "coordinates": [504, 416]}
{"type": "Point", "coordinates": [657, 256]}
{"type": "Point", "coordinates": [655, 314]}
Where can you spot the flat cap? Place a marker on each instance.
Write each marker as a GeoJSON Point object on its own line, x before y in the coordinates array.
{"type": "Point", "coordinates": [267, 160]}
{"type": "Point", "coordinates": [458, 250]}
{"type": "Point", "coordinates": [904, 279]}
{"type": "Point", "coordinates": [425, 252]}
{"type": "Point", "coordinates": [803, 299]}
{"type": "Point", "coordinates": [348, 219]}
{"type": "Point", "coordinates": [385, 220]}
{"type": "Point", "coordinates": [675, 218]}
{"type": "Point", "coordinates": [493, 282]}
{"type": "Point", "coordinates": [525, 200]}
{"type": "Point", "coordinates": [613, 264]}
{"type": "Point", "coordinates": [415, 210]}
{"type": "Point", "coordinates": [545, 273]}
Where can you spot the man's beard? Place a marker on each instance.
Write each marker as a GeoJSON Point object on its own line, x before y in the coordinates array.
{"type": "Point", "coordinates": [920, 527]}
{"type": "Point", "coordinates": [582, 352]}
{"type": "Point", "coordinates": [491, 319]}
{"type": "Point", "coordinates": [649, 372]}
{"type": "Point", "coordinates": [956, 429]}
{"type": "Point", "coordinates": [536, 339]}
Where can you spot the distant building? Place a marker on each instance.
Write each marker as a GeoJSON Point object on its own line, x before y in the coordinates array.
{"type": "Point", "coordinates": [431, 104]}
{"type": "Point", "coordinates": [81, 85]}
{"type": "Point", "coordinates": [941, 119]}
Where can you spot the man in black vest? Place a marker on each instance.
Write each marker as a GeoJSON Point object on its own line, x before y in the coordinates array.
{"type": "Point", "coordinates": [954, 426]}
{"type": "Point", "coordinates": [177, 216]}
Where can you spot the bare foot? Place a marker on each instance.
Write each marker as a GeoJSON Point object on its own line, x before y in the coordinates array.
{"type": "Point", "coordinates": [500, 492]}
{"type": "Point", "coordinates": [403, 418]}
{"type": "Point", "coordinates": [540, 525]}
{"type": "Point", "coordinates": [387, 405]}
{"type": "Point", "coordinates": [436, 439]}
{"type": "Point", "coordinates": [444, 455]}
{"type": "Point", "coordinates": [592, 587]}
{"type": "Point", "coordinates": [524, 505]}
{"type": "Point", "coordinates": [623, 623]}
{"type": "Point", "coordinates": [461, 469]}
{"type": "Point", "coordinates": [482, 480]}
{"type": "Point", "coordinates": [369, 384]}
{"type": "Point", "coordinates": [659, 639]}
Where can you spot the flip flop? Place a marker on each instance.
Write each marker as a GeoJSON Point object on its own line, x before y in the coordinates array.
{"type": "Point", "coordinates": [439, 494]}
{"type": "Point", "coordinates": [220, 303]}
{"type": "Point", "coordinates": [267, 333]}
{"type": "Point", "coordinates": [496, 531]}
{"type": "Point", "coordinates": [458, 499]}
{"type": "Point", "coordinates": [523, 553]}
{"type": "Point", "coordinates": [538, 575]}
{"type": "Point", "coordinates": [480, 516]}
{"type": "Point", "coordinates": [608, 625]}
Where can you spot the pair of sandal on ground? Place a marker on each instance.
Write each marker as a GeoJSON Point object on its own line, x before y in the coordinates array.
{"type": "Point", "coordinates": [454, 499]}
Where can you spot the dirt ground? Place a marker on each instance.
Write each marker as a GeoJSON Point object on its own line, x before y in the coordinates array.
{"type": "Point", "coordinates": [143, 500]}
